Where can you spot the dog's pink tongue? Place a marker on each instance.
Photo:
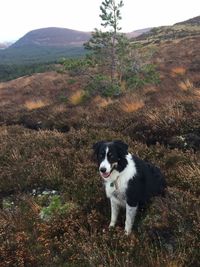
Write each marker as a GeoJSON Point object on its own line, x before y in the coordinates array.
{"type": "Point", "coordinates": [106, 174]}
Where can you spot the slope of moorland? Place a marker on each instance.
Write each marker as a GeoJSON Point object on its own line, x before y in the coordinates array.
{"type": "Point", "coordinates": [192, 21]}
{"type": "Point", "coordinates": [179, 30]}
{"type": "Point", "coordinates": [47, 128]}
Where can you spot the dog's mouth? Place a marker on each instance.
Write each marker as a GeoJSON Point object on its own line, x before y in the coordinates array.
{"type": "Point", "coordinates": [105, 174]}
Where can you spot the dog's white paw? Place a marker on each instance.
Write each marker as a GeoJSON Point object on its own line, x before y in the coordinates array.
{"type": "Point", "coordinates": [111, 225]}
{"type": "Point", "coordinates": [127, 231]}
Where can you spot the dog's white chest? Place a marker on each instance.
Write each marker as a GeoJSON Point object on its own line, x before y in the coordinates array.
{"type": "Point", "coordinates": [109, 189]}
{"type": "Point", "coordinates": [115, 191]}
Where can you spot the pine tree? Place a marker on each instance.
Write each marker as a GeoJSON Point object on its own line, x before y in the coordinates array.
{"type": "Point", "coordinates": [110, 17]}
{"type": "Point", "coordinates": [104, 44]}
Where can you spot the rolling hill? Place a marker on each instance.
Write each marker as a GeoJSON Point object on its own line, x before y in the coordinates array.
{"type": "Point", "coordinates": [192, 21]}
{"type": "Point", "coordinates": [53, 37]}
{"type": "Point", "coordinates": [137, 33]}
{"type": "Point", "coordinates": [183, 29]}
{"type": "Point", "coordinates": [48, 45]}
{"type": "Point", "coordinates": [45, 45]}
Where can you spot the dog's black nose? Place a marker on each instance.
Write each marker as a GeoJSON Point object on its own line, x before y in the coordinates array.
{"type": "Point", "coordinates": [103, 170]}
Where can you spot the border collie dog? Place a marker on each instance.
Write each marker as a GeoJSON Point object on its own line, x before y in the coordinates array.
{"type": "Point", "coordinates": [129, 181]}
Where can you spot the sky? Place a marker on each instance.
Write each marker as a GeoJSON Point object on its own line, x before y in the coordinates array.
{"type": "Point", "coordinates": [17, 17]}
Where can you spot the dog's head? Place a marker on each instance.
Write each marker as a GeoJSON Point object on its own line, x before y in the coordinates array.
{"type": "Point", "coordinates": [110, 156]}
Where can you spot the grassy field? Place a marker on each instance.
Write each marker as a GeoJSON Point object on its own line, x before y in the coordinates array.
{"type": "Point", "coordinates": [53, 206]}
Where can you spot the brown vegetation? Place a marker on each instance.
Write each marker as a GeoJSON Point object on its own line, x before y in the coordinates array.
{"type": "Point", "coordinates": [49, 147]}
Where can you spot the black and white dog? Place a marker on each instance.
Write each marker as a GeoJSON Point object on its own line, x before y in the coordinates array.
{"type": "Point", "coordinates": [129, 181]}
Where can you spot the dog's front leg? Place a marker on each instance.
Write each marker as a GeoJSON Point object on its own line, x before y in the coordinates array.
{"type": "Point", "coordinates": [130, 216]}
{"type": "Point", "coordinates": [114, 212]}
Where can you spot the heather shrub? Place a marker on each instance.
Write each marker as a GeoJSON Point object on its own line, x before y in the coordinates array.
{"type": "Point", "coordinates": [166, 231]}
{"type": "Point", "coordinates": [160, 125]}
{"type": "Point", "coordinates": [167, 219]}
{"type": "Point", "coordinates": [30, 159]}
{"type": "Point", "coordinates": [47, 147]}
{"type": "Point", "coordinates": [162, 235]}
{"type": "Point", "coordinates": [20, 230]}
{"type": "Point", "coordinates": [81, 237]}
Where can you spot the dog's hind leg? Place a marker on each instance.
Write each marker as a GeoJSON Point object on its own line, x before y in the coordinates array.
{"type": "Point", "coordinates": [114, 212]}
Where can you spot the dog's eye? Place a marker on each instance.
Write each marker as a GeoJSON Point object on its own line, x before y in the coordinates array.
{"type": "Point", "coordinates": [101, 155]}
{"type": "Point", "coordinates": [110, 155]}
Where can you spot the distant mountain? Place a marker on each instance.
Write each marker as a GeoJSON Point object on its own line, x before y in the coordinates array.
{"type": "Point", "coordinates": [51, 44]}
{"type": "Point", "coordinates": [61, 37]}
{"type": "Point", "coordinates": [4, 45]}
{"type": "Point", "coordinates": [137, 33]}
{"type": "Point", "coordinates": [45, 45]}
{"type": "Point", "coordinates": [193, 21]}
{"type": "Point", "coordinates": [54, 37]}
{"type": "Point", "coordinates": [48, 45]}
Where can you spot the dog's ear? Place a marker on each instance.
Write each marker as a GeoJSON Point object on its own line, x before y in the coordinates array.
{"type": "Point", "coordinates": [97, 146]}
{"type": "Point", "coordinates": [123, 147]}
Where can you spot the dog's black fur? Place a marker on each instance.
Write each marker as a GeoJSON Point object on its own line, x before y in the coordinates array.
{"type": "Point", "coordinates": [147, 183]}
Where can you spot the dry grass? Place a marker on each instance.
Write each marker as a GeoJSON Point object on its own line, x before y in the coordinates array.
{"type": "Point", "coordinates": [178, 71]}
{"type": "Point", "coordinates": [132, 103]}
{"type": "Point", "coordinates": [35, 104]}
{"type": "Point", "coordinates": [172, 111]}
{"type": "Point", "coordinates": [186, 85]}
{"type": "Point", "coordinates": [60, 108]}
{"type": "Point", "coordinates": [150, 90]}
{"type": "Point", "coordinates": [102, 102]}
{"type": "Point", "coordinates": [77, 97]}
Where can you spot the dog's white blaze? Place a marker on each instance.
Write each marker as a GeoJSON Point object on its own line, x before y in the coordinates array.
{"type": "Point", "coordinates": [105, 163]}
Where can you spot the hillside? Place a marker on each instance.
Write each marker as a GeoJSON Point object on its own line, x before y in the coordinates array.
{"type": "Point", "coordinates": [192, 21]}
{"type": "Point", "coordinates": [53, 37]}
{"type": "Point", "coordinates": [51, 44]}
{"type": "Point", "coordinates": [61, 37]}
{"type": "Point", "coordinates": [27, 55]}
{"type": "Point", "coordinates": [45, 45]}
{"type": "Point", "coordinates": [179, 30]}
{"type": "Point", "coordinates": [48, 45]}
{"type": "Point", "coordinates": [137, 33]}
{"type": "Point", "coordinates": [53, 208]}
